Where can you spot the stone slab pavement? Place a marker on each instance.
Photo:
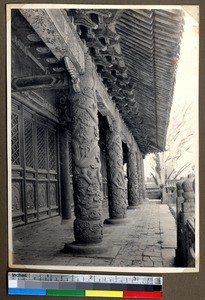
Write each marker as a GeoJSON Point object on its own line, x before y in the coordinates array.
{"type": "Point", "coordinates": [148, 239]}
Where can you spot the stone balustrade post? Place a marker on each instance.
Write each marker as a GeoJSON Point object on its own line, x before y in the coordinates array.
{"type": "Point", "coordinates": [180, 234]}
{"type": "Point", "coordinates": [179, 198]}
{"type": "Point", "coordinates": [188, 207]}
{"type": "Point", "coordinates": [184, 190]}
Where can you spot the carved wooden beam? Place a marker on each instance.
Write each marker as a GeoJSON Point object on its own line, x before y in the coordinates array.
{"type": "Point", "coordinates": [36, 102]}
{"type": "Point", "coordinates": [105, 31]}
{"type": "Point", "coordinates": [106, 74]}
{"type": "Point", "coordinates": [114, 88]}
{"type": "Point", "coordinates": [116, 14]}
{"type": "Point", "coordinates": [63, 107]}
{"type": "Point", "coordinates": [112, 51]}
{"type": "Point", "coordinates": [51, 81]}
{"type": "Point", "coordinates": [95, 43]}
{"type": "Point", "coordinates": [118, 95]}
{"type": "Point", "coordinates": [57, 32]}
{"type": "Point", "coordinates": [75, 76]}
{"type": "Point", "coordinates": [101, 61]}
{"type": "Point", "coordinates": [100, 12]}
{"type": "Point", "coordinates": [108, 108]}
{"type": "Point", "coordinates": [25, 49]}
{"type": "Point", "coordinates": [128, 93]}
{"type": "Point", "coordinates": [119, 69]}
{"type": "Point", "coordinates": [81, 18]}
{"type": "Point", "coordinates": [104, 101]}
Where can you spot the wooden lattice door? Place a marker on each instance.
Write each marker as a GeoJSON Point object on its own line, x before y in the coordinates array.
{"type": "Point", "coordinates": [18, 209]}
{"type": "Point", "coordinates": [34, 153]}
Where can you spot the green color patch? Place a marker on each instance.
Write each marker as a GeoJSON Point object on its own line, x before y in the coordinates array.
{"type": "Point", "coordinates": [51, 292]}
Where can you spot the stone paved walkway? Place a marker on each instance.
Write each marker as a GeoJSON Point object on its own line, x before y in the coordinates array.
{"type": "Point", "coordinates": [147, 240]}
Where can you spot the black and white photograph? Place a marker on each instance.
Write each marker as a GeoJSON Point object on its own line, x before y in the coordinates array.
{"type": "Point", "coordinates": [102, 137]}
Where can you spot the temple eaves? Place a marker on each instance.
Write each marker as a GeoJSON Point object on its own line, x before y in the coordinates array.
{"type": "Point", "coordinates": [136, 54]}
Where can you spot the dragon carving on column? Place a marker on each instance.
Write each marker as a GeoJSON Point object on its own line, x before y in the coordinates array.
{"type": "Point", "coordinates": [117, 195]}
{"type": "Point", "coordinates": [133, 177]}
{"type": "Point", "coordinates": [87, 179]}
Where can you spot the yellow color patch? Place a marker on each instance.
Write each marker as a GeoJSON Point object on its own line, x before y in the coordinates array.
{"type": "Point", "coordinates": [91, 293]}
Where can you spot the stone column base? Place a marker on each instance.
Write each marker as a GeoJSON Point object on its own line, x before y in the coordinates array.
{"type": "Point", "coordinates": [76, 248]}
{"type": "Point", "coordinates": [116, 221]}
{"type": "Point", "coordinates": [133, 207]}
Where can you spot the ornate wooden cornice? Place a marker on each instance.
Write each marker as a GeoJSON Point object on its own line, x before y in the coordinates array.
{"type": "Point", "coordinates": [101, 61]}
{"type": "Point", "coordinates": [25, 49]}
{"type": "Point", "coordinates": [100, 12]}
{"type": "Point", "coordinates": [104, 30]}
{"type": "Point", "coordinates": [56, 30]}
{"type": "Point", "coordinates": [36, 102]}
{"type": "Point", "coordinates": [47, 82]}
{"type": "Point", "coordinates": [106, 74]}
{"type": "Point", "coordinates": [93, 42]}
{"type": "Point", "coordinates": [63, 108]}
{"type": "Point", "coordinates": [145, 55]}
{"type": "Point", "coordinates": [81, 18]}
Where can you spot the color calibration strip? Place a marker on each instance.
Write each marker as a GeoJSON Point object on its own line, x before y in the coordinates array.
{"type": "Point", "coordinates": [83, 285]}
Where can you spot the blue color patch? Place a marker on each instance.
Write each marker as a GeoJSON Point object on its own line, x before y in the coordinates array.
{"type": "Point", "coordinates": [21, 291]}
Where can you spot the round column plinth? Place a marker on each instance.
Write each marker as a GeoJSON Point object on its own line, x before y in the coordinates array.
{"type": "Point", "coordinates": [133, 207]}
{"type": "Point", "coordinates": [116, 221]}
{"type": "Point", "coordinates": [77, 248]}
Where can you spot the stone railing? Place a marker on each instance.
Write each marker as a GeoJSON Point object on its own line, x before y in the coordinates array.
{"type": "Point", "coordinates": [169, 192]}
{"type": "Point", "coordinates": [185, 217]}
{"type": "Point", "coordinates": [153, 193]}
{"type": "Point", "coordinates": [190, 244]}
{"type": "Point", "coordinates": [170, 185]}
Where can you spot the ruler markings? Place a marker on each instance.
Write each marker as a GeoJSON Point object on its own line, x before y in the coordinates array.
{"type": "Point", "coordinates": [83, 285]}
{"type": "Point", "coordinates": [86, 278]}
{"type": "Point", "coordinates": [22, 283]}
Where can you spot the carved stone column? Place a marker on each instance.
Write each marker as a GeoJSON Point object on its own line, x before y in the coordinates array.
{"type": "Point", "coordinates": [87, 181]}
{"type": "Point", "coordinates": [133, 176]}
{"type": "Point", "coordinates": [140, 177]}
{"type": "Point", "coordinates": [117, 190]}
{"type": "Point", "coordinates": [143, 178]}
{"type": "Point", "coordinates": [66, 191]}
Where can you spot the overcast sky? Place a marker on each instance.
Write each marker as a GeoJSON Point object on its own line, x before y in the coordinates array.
{"type": "Point", "coordinates": [186, 87]}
